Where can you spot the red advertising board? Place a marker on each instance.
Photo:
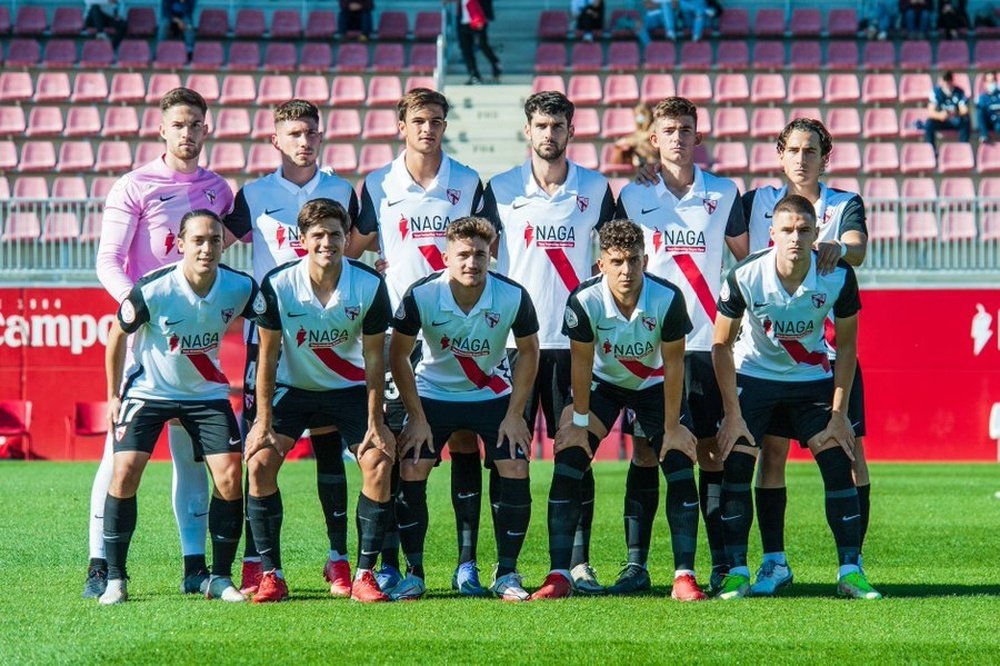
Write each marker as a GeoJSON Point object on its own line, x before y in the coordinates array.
{"type": "Point", "coordinates": [931, 362]}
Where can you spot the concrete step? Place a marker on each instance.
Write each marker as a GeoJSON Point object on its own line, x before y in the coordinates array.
{"type": "Point", "coordinates": [485, 126]}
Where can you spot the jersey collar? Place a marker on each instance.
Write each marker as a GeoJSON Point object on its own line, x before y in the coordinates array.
{"type": "Point", "coordinates": [773, 284]}
{"type": "Point", "coordinates": [446, 300]}
{"type": "Point", "coordinates": [820, 205]}
{"type": "Point", "coordinates": [402, 179]}
{"type": "Point", "coordinates": [188, 292]}
{"type": "Point", "coordinates": [533, 189]}
{"type": "Point", "coordinates": [303, 285]}
{"type": "Point", "coordinates": [611, 310]}
{"type": "Point", "coordinates": [292, 188]}
{"type": "Point", "coordinates": [697, 188]}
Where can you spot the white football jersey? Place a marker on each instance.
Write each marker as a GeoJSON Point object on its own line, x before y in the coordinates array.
{"type": "Point", "coordinates": [837, 211]}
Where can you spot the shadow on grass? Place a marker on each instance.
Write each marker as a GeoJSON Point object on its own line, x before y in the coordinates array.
{"type": "Point", "coordinates": [897, 591]}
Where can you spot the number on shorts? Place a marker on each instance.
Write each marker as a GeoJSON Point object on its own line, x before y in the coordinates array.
{"type": "Point", "coordinates": [391, 392]}
{"type": "Point", "coordinates": [129, 408]}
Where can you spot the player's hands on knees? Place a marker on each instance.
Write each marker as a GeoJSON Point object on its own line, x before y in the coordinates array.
{"type": "Point", "coordinates": [114, 406]}
{"type": "Point", "coordinates": [379, 438]}
{"type": "Point", "coordinates": [839, 429]}
{"type": "Point", "coordinates": [515, 431]}
{"type": "Point", "coordinates": [260, 438]}
{"type": "Point", "coordinates": [827, 256]}
{"type": "Point", "coordinates": [731, 430]}
{"type": "Point", "coordinates": [416, 433]}
{"type": "Point", "coordinates": [680, 439]}
{"type": "Point", "coordinates": [570, 435]}
{"type": "Point", "coordinates": [648, 174]}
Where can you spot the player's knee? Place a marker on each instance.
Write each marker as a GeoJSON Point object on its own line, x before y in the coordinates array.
{"type": "Point", "coordinates": [228, 481]}
{"type": "Point", "coordinates": [708, 455]}
{"type": "Point", "coordinates": [643, 454]}
{"type": "Point", "coordinates": [835, 467]}
{"type": "Point", "coordinates": [419, 471]}
{"type": "Point", "coordinates": [512, 469]}
{"type": "Point", "coordinates": [771, 463]}
{"type": "Point", "coordinates": [572, 462]}
{"type": "Point", "coordinates": [463, 441]}
{"type": "Point", "coordinates": [376, 464]}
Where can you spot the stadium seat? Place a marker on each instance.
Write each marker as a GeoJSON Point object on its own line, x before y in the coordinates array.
{"type": "Point", "coordinates": [804, 112]}
{"type": "Point", "coordinates": [844, 123]}
{"type": "Point", "coordinates": [696, 55]}
{"type": "Point", "coordinates": [842, 22]}
{"type": "Point", "coordinates": [623, 57]}
{"type": "Point", "coordinates": [227, 157]}
{"type": "Point", "coordinates": [170, 54]}
{"type": "Point", "coordinates": [280, 57]}
{"type": "Point", "coordinates": [917, 158]}
{"type": "Point", "coordinates": [238, 89]}
{"type": "Point", "coordinates": [69, 187]}
{"type": "Point", "coordinates": [118, 121]}
{"type": "Point", "coordinates": [213, 23]}
{"type": "Point", "coordinates": [232, 124]}
{"type": "Point", "coordinates": [616, 185]}
{"type": "Point", "coordinates": [21, 225]}
{"type": "Point", "coordinates": [584, 154]}
{"type": "Point", "coordinates": [610, 164]}
{"type": "Point", "coordinates": [67, 21]}
{"type": "Point", "coordinates": [735, 22]}
{"type": "Point", "coordinates": [91, 231]}
{"type": "Point", "coordinates": [340, 157]}
{"type": "Point", "coordinates": [15, 86]}
{"type": "Point", "coordinates": [544, 82]}
{"type": "Point", "coordinates": [89, 419]}
{"type": "Point", "coordinates": [380, 124]}
{"type": "Point", "coordinates": [316, 57]}
{"type": "Point", "coordinates": [704, 121]}
{"type": "Point", "coordinates": [127, 88]}
{"type": "Point", "coordinates": [75, 156]}
{"type": "Point", "coordinates": [31, 187]}
{"type": "Point", "coordinates": [765, 123]}
{"type": "Point", "coordinates": [286, 24]}
{"type": "Point", "coordinates": [733, 55]}
{"type": "Point", "coordinates": [413, 82]}
{"type": "Point", "coordinates": [427, 26]}
{"type": "Point", "coordinates": [313, 89]}
{"type": "Point", "coordinates": [207, 56]}
{"type": "Point", "coordinates": [159, 84]}
{"type": "Point", "coordinates": [806, 55]}
{"type": "Point", "coordinates": [617, 123]}
{"type": "Point", "coordinates": [767, 88]}
{"type": "Point", "coordinates": [842, 89]}
{"type": "Point", "coordinates": [321, 24]}
{"type": "Point", "coordinates": [244, 56]}
{"type": "Point", "coordinates": [30, 21]}
{"type": "Point", "coordinates": [988, 158]}
{"type": "Point", "coordinates": [134, 54]}
{"type": "Point", "coordinates": [274, 89]}
{"type": "Point", "coordinates": [553, 24]}
{"type": "Point", "coordinates": [586, 57]}
{"type": "Point", "coordinates": [660, 57]}
{"type": "Point", "coordinates": [4, 189]}
{"type": "Point", "coordinates": [915, 55]}
{"type": "Point", "coordinates": [955, 157]}
{"type": "Point", "coordinates": [550, 58]}
{"type": "Point", "coordinates": [764, 159]}
{"type": "Point", "coordinates": [729, 158]}
{"type": "Point", "coordinates": [845, 183]}
{"type": "Point", "coordinates": [347, 91]}
{"type": "Point", "coordinates": [842, 55]}
{"type": "Point", "coordinates": [374, 156]}
{"type": "Point", "coordinates": [96, 54]}
{"type": "Point", "coordinates": [586, 123]}
{"type": "Point", "coordinates": [958, 217]}
{"type": "Point", "coordinates": [989, 192]}
{"type": "Point", "coordinates": [250, 24]}
{"type": "Point", "coordinates": [423, 58]}
{"type": "Point", "coordinates": [695, 87]}
{"type": "Point", "coordinates": [12, 121]}
{"type": "Point", "coordinates": [952, 54]}
{"type": "Point", "coordinates": [50, 87]}
{"type": "Point", "coordinates": [5, 22]}
{"type": "Point", "coordinates": [769, 22]}
{"type": "Point", "coordinates": [845, 158]}
{"type": "Point", "coordinates": [388, 58]}
{"type": "Point", "coordinates": [730, 122]}
{"type": "Point", "coordinates": [804, 88]}
{"type": "Point", "coordinates": [730, 88]}
{"type": "Point", "coordinates": [768, 55]}
{"type": "Point", "coordinates": [263, 159]}
{"type": "Point", "coordinates": [394, 25]}
{"type": "Point", "coordinates": [59, 53]}
{"type": "Point", "coordinates": [880, 56]}
{"type": "Point", "coordinates": [263, 125]}
{"type": "Point", "coordinates": [987, 54]}
{"type": "Point", "coordinates": [384, 90]}
{"type": "Point", "coordinates": [881, 197]}
{"type": "Point", "coordinates": [89, 87]}
{"type": "Point", "coordinates": [44, 121]}
{"type": "Point", "coordinates": [8, 156]}
{"type": "Point", "coordinates": [656, 87]}
{"type": "Point", "coordinates": [113, 157]}
{"type": "Point", "coordinates": [880, 123]}
{"type": "Point", "coordinates": [915, 88]}
{"type": "Point", "coordinates": [879, 89]}
{"type": "Point", "coordinates": [908, 120]}
{"type": "Point", "coordinates": [343, 124]}
{"type": "Point", "coordinates": [146, 152]}
{"type": "Point", "coordinates": [584, 89]}
{"type": "Point", "coordinates": [919, 219]}
{"type": "Point", "coordinates": [207, 85]}
{"type": "Point", "coordinates": [23, 53]}
{"type": "Point", "coordinates": [352, 58]}
{"type": "Point", "coordinates": [806, 22]}
{"type": "Point", "coordinates": [141, 22]}
{"type": "Point", "coordinates": [881, 158]}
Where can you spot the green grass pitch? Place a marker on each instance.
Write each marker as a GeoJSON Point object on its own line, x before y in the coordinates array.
{"type": "Point", "coordinates": [932, 550]}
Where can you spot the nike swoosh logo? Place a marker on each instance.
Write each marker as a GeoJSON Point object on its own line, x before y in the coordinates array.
{"type": "Point", "coordinates": [605, 328]}
{"type": "Point", "coordinates": [758, 305]}
{"type": "Point", "coordinates": [552, 501]}
{"type": "Point", "coordinates": [339, 514]}
{"type": "Point", "coordinates": [516, 206]}
{"type": "Point", "coordinates": [200, 515]}
{"type": "Point", "coordinates": [466, 495]}
{"type": "Point", "coordinates": [370, 552]}
{"type": "Point", "coordinates": [728, 518]}
{"type": "Point", "coordinates": [688, 505]}
{"type": "Point", "coordinates": [393, 203]}
{"type": "Point", "coordinates": [849, 518]}
{"type": "Point", "coordinates": [168, 198]}
{"type": "Point", "coordinates": [233, 441]}
{"type": "Point", "coordinates": [768, 216]}
{"type": "Point", "coordinates": [515, 534]}
{"type": "Point", "coordinates": [272, 211]}
{"type": "Point", "coordinates": [173, 323]}
{"type": "Point", "coordinates": [440, 323]}
{"type": "Point", "coordinates": [407, 526]}
{"type": "Point", "coordinates": [96, 517]}
{"type": "Point", "coordinates": [649, 210]}
{"type": "Point", "coordinates": [296, 314]}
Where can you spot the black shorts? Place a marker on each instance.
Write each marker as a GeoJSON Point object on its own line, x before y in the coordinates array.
{"type": "Point", "coordinates": [296, 409]}
{"type": "Point", "coordinates": [801, 409]}
{"type": "Point", "coordinates": [702, 391]}
{"type": "Point", "coordinates": [395, 412]}
{"type": "Point", "coordinates": [552, 388]}
{"type": "Point", "coordinates": [644, 408]}
{"type": "Point", "coordinates": [855, 410]}
{"type": "Point", "coordinates": [483, 418]}
{"type": "Point", "coordinates": [211, 425]}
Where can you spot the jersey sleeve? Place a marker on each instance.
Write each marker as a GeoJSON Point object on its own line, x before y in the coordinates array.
{"type": "Point", "coordinates": [368, 216]}
{"type": "Point", "coordinates": [353, 207]}
{"type": "Point", "coordinates": [490, 210]}
{"type": "Point", "coordinates": [621, 212]}
{"type": "Point", "coordinates": [853, 217]}
{"type": "Point", "coordinates": [406, 320]}
{"type": "Point", "coordinates": [227, 197]}
{"type": "Point", "coordinates": [576, 322]}
{"type": "Point", "coordinates": [477, 199]}
{"type": "Point", "coordinates": [255, 301]}
{"type": "Point", "coordinates": [266, 307]}
{"type": "Point", "coordinates": [747, 200]}
{"type": "Point", "coordinates": [848, 302]}
{"type": "Point", "coordinates": [731, 303]}
{"type": "Point", "coordinates": [238, 222]}
{"type": "Point", "coordinates": [526, 321]}
{"type": "Point", "coordinates": [121, 214]}
{"type": "Point", "coordinates": [676, 322]}
{"type": "Point", "coordinates": [608, 209]}
{"type": "Point", "coordinates": [377, 318]}
{"type": "Point", "coordinates": [737, 225]}
{"type": "Point", "coordinates": [133, 312]}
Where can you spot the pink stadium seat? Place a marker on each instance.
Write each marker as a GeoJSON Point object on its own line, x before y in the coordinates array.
{"type": "Point", "coordinates": [584, 89]}
{"type": "Point", "coordinates": [622, 24]}
{"type": "Point", "coordinates": [586, 124]}
{"type": "Point", "coordinates": [250, 24]}
{"type": "Point", "coordinates": [730, 88]}
{"type": "Point", "coordinates": [881, 158]}
{"type": "Point", "coordinates": [880, 124]}
{"type": "Point", "coordinates": [91, 232]}
{"type": "Point", "coordinates": [4, 189]}
{"type": "Point", "coordinates": [729, 158]}
{"type": "Point", "coordinates": [379, 124]}
{"type": "Point", "coordinates": [238, 89]}
{"type": "Point", "coordinates": [227, 158]}
{"type": "Point", "coordinates": [988, 158]}
{"type": "Point", "coordinates": [423, 58]}
{"type": "Point", "coordinates": [394, 25]}
{"type": "Point", "coordinates": [955, 158]}
{"type": "Point", "coordinates": [159, 84]}
{"type": "Point", "coordinates": [739, 183]}
{"type": "Point", "coordinates": [170, 54]}
{"type": "Point", "coordinates": [914, 88]}
{"type": "Point", "coordinates": [733, 55]}
{"type": "Point", "coordinates": [917, 158]}
{"type": "Point", "coordinates": [286, 24]}
{"type": "Point", "coordinates": [419, 82]}
{"type": "Point", "coordinates": [75, 156]}
{"type": "Point", "coordinates": [343, 124]}
{"type": "Point", "coordinates": [880, 55]}
{"type": "Point", "coordinates": [134, 54]}
{"type": "Point", "coordinates": [12, 121]}
{"type": "Point", "coordinates": [59, 53]}
{"type": "Point", "coordinates": [89, 87]}
{"type": "Point", "coordinates": [908, 120]}
{"type": "Point", "coordinates": [274, 89]}
{"type": "Point", "coordinates": [767, 88]}
{"type": "Point", "coordinates": [696, 87]}
{"type": "Point", "coordinates": [550, 58]}
{"type": "Point", "coordinates": [244, 56]}
{"type": "Point", "coordinates": [67, 21]}
{"type": "Point", "coordinates": [15, 86]}
{"type": "Point", "coordinates": [704, 121]}
{"type": "Point", "coordinates": [22, 225]}
{"type": "Point", "coordinates": [586, 57]}
{"type": "Point", "coordinates": [141, 22]}
{"type": "Point", "coordinates": [544, 82]}
{"type": "Point", "coordinates": [696, 55]}
{"type": "Point", "coordinates": [263, 159]}
{"type": "Point", "coordinates": [806, 22]}
{"type": "Point", "coordinates": [806, 55]}
{"type": "Point", "coordinates": [656, 87]}
{"type": "Point", "coordinates": [213, 23]}
{"type": "Point", "coordinates": [427, 26]}
{"type": "Point", "coordinates": [352, 58]}
{"type": "Point", "coordinates": [847, 184]}
{"type": "Point", "coordinates": [322, 24]}
{"type": "Point", "coordinates": [989, 191]}
{"type": "Point", "coordinates": [768, 55]}
{"type": "Point", "coordinates": [69, 187]}
{"type": "Point", "coordinates": [388, 58]}
{"type": "Point", "coordinates": [804, 89]}
{"type": "Point", "coordinates": [844, 123]}
{"type": "Point", "coordinates": [769, 23]}
{"type": "Point", "coordinates": [84, 120]}
{"type": "Point", "coordinates": [952, 54]}
{"type": "Point", "coordinates": [920, 221]}
{"type": "Point", "coordinates": [347, 91]}
{"type": "Point", "coordinates": [280, 57]}
{"type": "Point", "coordinates": [8, 156]}
{"type": "Point", "coordinates": [207, 86]}
{"type": "Point", "coordinates": [113, 157]}
{"type": "Point", "coordinates": [842, 55]}
{"type": "Point", "coordinates": [44, 121]}
{"type": "Point", "coordinates": [553, 24]}
{"type": "Point", "coordinates": [50, 87]}
{"type": "Point", "coordinates": [764, 159]}
{"type": "Point", "coordinates": [340, 157]}
{"type": "Point", "coordinates": [879, 88]}
{"type": "Point", "coordinates": [842, 89]}
{"type": "Point", "coordinates": [207, 56]}
{"type": "Point", "coordinates": [987, 54]}
{"type": "Point", "coordinates": [882, 203]}
{"type": "Point", "coordinates": [804, 112]}
{"type": "Point", "coordinates": [845, 158]}
{"type": "Point", "coordinates": [316, 57]}
{"type": "Point", "coordinates": [31, 187]}
{"type": "Point", "coordinates": [610, 164]}
{"type": "Point", "coordinates": [915, 54]}
{"type": "Point", "coordinates": [61, 226]}
{"type": "Point", "coordinates": [766, 123]}
{"type": "Point", "coordinates": [146, 152]}
{"type": "Point", "coordinates": [584, 154]}
{"type": "Point", "coordinates": [231, 124]}
{"type": "Point", "coordinates": [623, 57]}
{"type": "Point", "coordinates": [617, 123]}
{"type": "Point", "coordinates": [735, 22]}
{"type": "Point", "coordinates": [30, 21]}
{"type": "Point", "coordinates": [5, 22]}
{"type": "Point", "coordinates": [660, 57]}
{"type": "Point", "coordinates": [958, 217]}
{"type": "Point", "coordinates": [384, 90]}
{"type": "Point", "coordinates": [263, 124]}
{"type": "Point", "coordinates": [127, 88]}
{"type": "Point", "coordinates": [23, 53]}
{"type": "Point", "coordinates": [96, 54]}
{"type": "Point", "coordinates": [374, 156]}
{"type": "Point", "coordinates": [842, 22]}
{"type": "Point", "coordinates": [621, 89]}
{"type": "Point", "coordinates": [313, 89]}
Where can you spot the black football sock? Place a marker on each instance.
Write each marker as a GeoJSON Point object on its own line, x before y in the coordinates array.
{"type": "Point", "coordinates": [119, 524]}
{"type": "Point", "coordinates": [642, 495]}
{"type": "Point", "coordinates": [842, 511]}
{"type": "Point", "coordinates": [249, 545]}
{"type": "Point", "coordinates": [513, 516]}
{"type": "Point", "coordinates": [494, 490]}
{"type": "Point", "coordinates": [390, 542]}
{"type": "Point", "coordinates": [737, 506]}
{"type": "Point", "coordinates": [372, 518]}
{"type": "Point", "coordinates": [682, 508]}
{"type": "Point", "coordinates": [564, 504]}
{"type": "Point", "coordinates": [710, 498]}
{"type": "Point", "coordinates": [411, 512]}
{"type": "Point", "coordinates": [466, 494]}
{"type": "Point", "coordinates": [194, 564]}
{"type": "Point", "coordinates": [98, 563]}
{"type": "Point", "coordinates": [771, 503]}
{"type": "Point", "coordinates": [266, 514]}
{"type": "Point", "coordinates": [331, 486]}
{"type": "Point", "coordinates": [581, 541]}
{"type": "Point", "coordinates": [865, 507]}
{"type": "Point", "coordinates": [225, 522]}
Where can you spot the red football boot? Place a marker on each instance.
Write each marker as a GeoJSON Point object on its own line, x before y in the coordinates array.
{"type": "Point", "coordinates": [366, 590]}
{"type": "Point", "coordinates": [338, 574]}
{"type": "Point", "coordinates": [250, 580]}
{"type": "Point", "coordinates": [686, 589]}
{"type": "Point", "coordinates": [556, 586]}
{"type": "Point", "coordinates": [271, 588]}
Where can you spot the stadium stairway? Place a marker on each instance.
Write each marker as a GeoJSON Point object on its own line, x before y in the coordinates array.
{"type": "Point", "coordinates": [485, 126]}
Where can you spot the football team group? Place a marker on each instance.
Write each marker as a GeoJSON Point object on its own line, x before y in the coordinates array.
{"type": "Point", "coordinates": [596, 309]}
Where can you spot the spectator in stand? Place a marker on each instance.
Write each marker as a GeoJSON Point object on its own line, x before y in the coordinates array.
{"type": "Point", "coordinates": [177, 20]}
{"type": "Point", "coordinates": [952, 17]}
{"type": "Point", "coordinates": [916, 17]}
{"type": "Point", "coordinates": [664, 14]}
{"type": "Point", "coordinates": [948, 110]}
{"type": "Point", "coordinates": [635, 149]}
{"type": "Point", "coordinates": [988, 107]}
{"type": "Point", "coordinates": [473, 17]}
{"type": "Point", "coordinates": [882, 17]}
{"type": "Point", "coordinates": [355, 16]}
{"type": "Point", "coordinates": [589, 16]}
{"type": "Point", "coordinates": [107, 18]}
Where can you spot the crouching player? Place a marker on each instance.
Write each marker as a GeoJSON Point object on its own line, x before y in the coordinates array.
{"type": "Point", "coordinates": [626, 330]}
{"type": "Point", "coordinates": [178, 314]}
{"type": "Point", "coordinates": [773, 364]}
{"type": "Point", "coordinates": [463, 382]}
{"type": "Point", "coordinates": [322, 332]}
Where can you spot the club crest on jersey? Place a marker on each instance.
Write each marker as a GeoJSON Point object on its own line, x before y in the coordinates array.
{"type": "Point", "coordinates": [210, 195]}
{"type": "Point", "coordinates": [352, 311]}
{"type": "Point", "coordinates": [819, 300]}
{"type": "Point", "coordinates": [582, 203]}
{"type": "Point", "coordinates": [127, 311]}
{"type": "Point", "coordinates": [169, 243]}
{"type": "Point", "coordinates": [649, 323]}
{"type": "Point", "coordinates": [492, 318]}
{"type": "Point", "coordinates": [248, 400]}
{"type": "Point", "coordinates": [827, 215]}
{"type": "Point", "coordinates": [606, 346]}
{"type": "Point", "coordinates": [571, 319]}
{"type": "Point", "coordinates": [259, 303]}
{"type": "Point", "coordinates": [227, 315]}
{"type": "Point", "coordinates": [300, 336]}
{"type": "Point", "coordinates": [710, 205]}
{"type": "Point", "coordinates": [454, 196]}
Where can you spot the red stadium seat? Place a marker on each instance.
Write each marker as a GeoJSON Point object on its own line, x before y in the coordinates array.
{"type": "Point", "coordinates": [44, 121]}
{"type": "Point", "coordinates": [847, 184]}
{"type": "Point", "coordinates": [842, 55]}
{"type": "Point", "coordinates": [343, 124]}
{"type": "Point", "coordinates": [623, 57]}
{"type": "Point", "coordinates": [347, 91]}
{"type": "Point", "coordinates": [263, 159]}
{"type": "Point", "coordinates": [250, 24]}
{"type": "Point", "coordinates": [958, 217]}
{"type": "Point", "coordinates": [988, 158]}
{"type": "Point", "coordinates": [423, 58]}
{"type": "Point", "coordinates": [730, 88]}
{"type": "Point", "coordinates": [113, 157]}
{"type": "Point", "coordinates": [238, 89]}
{"type": "Point", "coordinates": [696, 55]}
{"type": "Point", "coordinates": [393, 25]}
{"type": "Point", "coordinates": [59, 53]}
{"type": "Point", "coordinates": [30, 21]}
{"type": "Point", "coordinates": [766, 123]}
{"type": "Point", "coordinates": [207, 56]}
{"type": "Point", "coordinates": [374, 156]}
{"type": "Point", "coordinates": [232, 124]}
{"type": "Point", "coordinates": [955, 158]}
{"type": "Point", "coordinates": [695, 87]}
{"type": "Point", "coordinates": [67, 21]}
{"type": "Point", "coordinates": [768, 55]}
{"type": "Point", "coordinates": [880, 124]}
{"type": "Point", "coordinates": [735, 22]}
{"type": "Point", "coordinates": [553, 24]}
{"type": "Point", "coordinates": [915, 88]}
{"type": "Point", "coordinates": [764, 159]}
{"type": "Point", "coordinates": [316, 57]}
{"type": "Point", "coordinates": [146, 152]}
{"type": "Point", "coordinates": [15, 86]}
{"type": "Point", "coordinates": [882, 202]}
{"type": "Point", "coordinates": [733, 55]}
{"type": "Point", "coordinates": [22, 225]}
{"type": "Point", "coordinates": [617, 123]}
{"type": "Point", "coordinates": [586, 124]}
{"type": "Point", "coordinates": [69, 187]}
{"type": "Point", "coordinates": [97, 54]}
{"type": "Point", "coordinates": [389, 58]}
{"type": "Point", "coordinates": [141, 22]}
{"type": "Point", "coordinates": [322, 24]}
{"type": "Point", "coordinates": [127, 88]}
{"type": "Point", "coordinates": [159, 84]}
{"type": "Point", "coordinates": [729, 158]}
{"type": "Point", "coordinates": [31, 187]}
{"type": "Point", "coordinates": [769, 23]}
{"type": "Point", "coordinates": [908, 120]}
{"type": "Point", "coordinates": [880, 55]}
{"type": "Point", "coordinates": [340, 157]}
{"type": "Point", "coordinates": [545, 82]}
{"type": "Point", "coordinates": [584, 154]}
{"type": "Point", "coordinates": [170, 54]}
{"type": "Point", "coordinates": [842, 22]}
{"type": "Point", "coordinates": [286, 24]}
{"type": "Point", "coordinates": [879, 88]}
{"type": "Point", "coordinates": [23, 53]}
{"type": "Point", "coordinates": [50, 87]}
{"type": "Point", "coordinates": [804, 112]}
{"type": "Point", "coordinates": [274, 89]}
{"type": "Point", "coordinates": [845, 158]}
{"type": "Point", "coordinates": [427, 26]}
{"type": "Point", "coordinates": [919, 219]}
{"type": "Point", "coordinates": [207, 85]}
{"type": "Point", "coordinates": [767, 88]}
{"type": "Point", "coordinates": [134, 54]}
{"type": "Point", "coordinates": [313, 89]}
{"type": "Point", "coordinates": [244, 56]}
{"type": "Point", "coordinates": [384, 90]}
{"type": "Point", "coordinates": [660, 57]}
{"type": "Point", "coordinates": [263, 124]}
{"type": "Point", "coordinates": [881, 158]}
{"type": "Point", "coordinates": [610, 164]}
{"type": "Point", "coordinates": [550, 58]}
{"type": "Point", "coordinates": [917, 158]}
{"type": "Point", "coordinates": [75, 156]}
{"type": "Point", "coordinates": [806, 55]}
{"type": "Point", "coordinates": [844, 123]}
{"type": "Point", "coordinates": [89, 87]}
{"type": "Point", "coordinates": [952, 54]}
{"type": "Point", "coordinates": [987, 54]}
{"type": "Point", "coordinates": [379, 124]}
{"type": "Point", "coordinates": [586, 57]}
{"type": "Point", "coordinates": [149, 122]}
{"type": "Point", "coordinates": [120, 121]}
{"type": "Point", "coordinates": [12, 121]}
{"type": "Point", "coordinates": [584, 89]}
{"type": "Point", "coordinates": [621, 89]}
{"type": "Point", "coordinates": [213, 23]}
{"type": "Point", "coordinates": [89, 420]}
{"type": "Point", "coordinates": [989, 192]}
{"type": "Point", "coordinates": [806, 22]}
{"type": "Point", "coordinates": [915, 54]}
{"type": "Point", "coordinates": [413, 82]}
{"type": "Point", "coordinates": [280, 57]}
{"type": "Point", "coordinates": [656, 87]}
{"type": "Point", "coordinates": [227, 158]}
{"type": "Point", "coordinates": [8, 156]}
{"type": "Point", "coordinates": [352, 58]}
{"type": "Point", "coordinates": [842, 89]}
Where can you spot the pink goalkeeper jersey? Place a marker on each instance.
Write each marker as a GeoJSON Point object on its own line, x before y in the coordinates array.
{"type": "Point", "coordinates": [142, 216]}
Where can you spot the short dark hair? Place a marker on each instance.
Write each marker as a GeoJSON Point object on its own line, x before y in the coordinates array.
{"type": "Point", "coordinates": [948, 76]}
{"type": "Point", "coordinates": [315, 211]}
{"type": "Point", "coordinates": [549, 103]}
{"type": "Point", "coordinates": [807, 125]}
{"type": "Point", "coordinates": [183, 97]}
{"type": "Point", "coordinates": [419, 97]}
{"type": "Point", "coordinates": [621, 235]}
{"type": "Point", "coordinates": [676, 107]}
{"type": "Point", "coordinates": [795, 204]}
{"type": "Point", "coordinates": [471, 228]}
{"type": "Point", "coordinates": [296, 109]}
{"type": "Point", "coordinates": [197, 212]}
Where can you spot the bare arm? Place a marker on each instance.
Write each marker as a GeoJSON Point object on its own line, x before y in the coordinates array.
{"type": "Point", "coordinates": [262, 433]}
{"type": "Point", "coordinates": [732, 427]}
{"type": "Point", "coordinates": [739, 245]}
{"type": "Point", "coordinates": [675, 435]}
{"type": "Point", "coordinates": [378, 435]}
{"type": "Point", "coordinates": [513, 428]}
{"type": "Point", "coordinates": [114, 368]}
{"type": "Point", "coordinates": [828, 253]}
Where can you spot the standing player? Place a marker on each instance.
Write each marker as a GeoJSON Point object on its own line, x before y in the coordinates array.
{"type": "Point", "coordinates": [804, 148]}
{"type": "Point", "coordinates": [626, 330]}
{"type": "Point", "coordinates": [265, 214]}
{"type": "Point", "coordinates": [406, 208]}
{"type": "Point", "coordinates": [773, 364]}
{"type": "Point", "coordinates": [547, 211]}
{"type": "Point", "coordinates": [178, 315]}
{"type": "Point", "coordinates": [139, 233]}
{"type": "Point", "coordinates": [326, 318]}
{"type": "Point", "coordinates": [465, 314]}
{"type": "Point", "coordinates": [688, 218]}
